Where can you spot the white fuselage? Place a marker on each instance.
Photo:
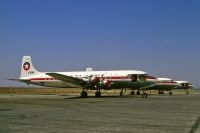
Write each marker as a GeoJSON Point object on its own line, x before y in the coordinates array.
{"type": "Point", "coordinates": [45, 80]}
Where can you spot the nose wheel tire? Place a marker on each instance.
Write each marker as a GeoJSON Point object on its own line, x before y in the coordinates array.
{"type": "Point", "coordinates": [138, 92]}
{"type": "Point", "coordinates": [132, 93]}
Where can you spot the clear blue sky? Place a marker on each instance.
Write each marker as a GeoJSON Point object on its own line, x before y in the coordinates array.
{"type": "Point", "coordinates": [161, 37]}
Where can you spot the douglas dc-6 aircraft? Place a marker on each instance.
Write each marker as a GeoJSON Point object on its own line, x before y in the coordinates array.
{"type": "Point", "coordinates": [163, 84]}
{"type": "Point", "coordinates": [167, 84]}
{"type": "Point", "coordinates": [184, 85]}
{"type": "Point", "coordinates": [89, 79]}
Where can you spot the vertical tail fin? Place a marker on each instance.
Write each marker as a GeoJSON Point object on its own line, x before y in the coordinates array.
{"type": "Point", "coordinates": [27, 68]}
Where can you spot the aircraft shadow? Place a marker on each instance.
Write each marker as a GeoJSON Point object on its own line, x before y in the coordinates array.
{"type": "Point", "coordinates": [94, 97]}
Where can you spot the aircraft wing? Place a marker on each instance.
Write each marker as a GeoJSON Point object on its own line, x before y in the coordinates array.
{"type": "Point", "coordinates": [148, 86]}
{"type": "Point", "coordinates": [68, 79]}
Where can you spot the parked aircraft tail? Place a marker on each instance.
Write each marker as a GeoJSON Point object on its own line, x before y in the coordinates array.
{"type": "Point", "coordinates": [27, 68]}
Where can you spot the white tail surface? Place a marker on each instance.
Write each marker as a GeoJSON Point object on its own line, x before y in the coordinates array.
{"type": "Point", "coordinates": [27, 68]}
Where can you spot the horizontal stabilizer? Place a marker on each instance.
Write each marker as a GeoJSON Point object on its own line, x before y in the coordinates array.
{"type": "Point", "coordinates": [21, 80]}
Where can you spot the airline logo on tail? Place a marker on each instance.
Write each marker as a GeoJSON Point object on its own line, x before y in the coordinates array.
{"type": "Point", "coordinates": [26, 66]}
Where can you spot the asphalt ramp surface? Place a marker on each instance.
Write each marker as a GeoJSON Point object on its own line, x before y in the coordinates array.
{"type": "Point", "coordinates": [108, 114]}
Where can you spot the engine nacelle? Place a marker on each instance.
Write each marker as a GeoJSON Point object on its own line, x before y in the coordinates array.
{"type": "Point", "coordinates": [98, 83]}
{"type": "Point", "coordinates": [94, 80]}
{"type": "Point", "coordinates": [104, 84]}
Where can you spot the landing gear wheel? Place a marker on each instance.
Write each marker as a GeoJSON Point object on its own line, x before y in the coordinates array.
{"type": "Point", "coordinates": [170, 93]}
{"type": "Point", "coordinates": [144, 95]}
{"type": "Point", "coordinates": [97, 93]}
{"type": "Point", "coordinates": [132, 93]}
{"type": "Point", "coordinates": [161, 92]}
{"type": "Point", "coordinates": [84, 94]}
{"type": "Point", "coordinates": [138, 92]}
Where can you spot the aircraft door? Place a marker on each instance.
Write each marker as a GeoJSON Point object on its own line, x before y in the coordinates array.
{"type": "Point", "coordinates": [138, 77]}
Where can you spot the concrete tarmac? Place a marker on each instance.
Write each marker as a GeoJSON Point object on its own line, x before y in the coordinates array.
{"type": "Point", "coordinates": [108, 114]}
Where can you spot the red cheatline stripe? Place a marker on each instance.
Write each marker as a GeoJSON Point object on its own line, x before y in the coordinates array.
{"type": "Point", "coordinates": [42, 79]}
{"type": "Point", "coordinates": [115, 77]}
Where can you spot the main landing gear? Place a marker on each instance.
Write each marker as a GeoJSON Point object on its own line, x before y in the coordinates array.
{"type": "Point", "coordinates": [138, 92]}
{"type": "Point", "coordinates": [98, 93]}
{"type": "Point", "coordinates": [160, 92]}
{"type": "Point", "coordinates": [84, 93]}
{"type": "Point", "coordinates": [170, 93]}
{"type": "Point", "coordinates": [187, 92]}
{"type": "Point", "coordinates": [132, 92]}
{"type": "Point", "coordinates": [144, 95]}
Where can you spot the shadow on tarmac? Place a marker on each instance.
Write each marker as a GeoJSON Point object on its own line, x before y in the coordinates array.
{"type": "Point", "coordinates": [94, 97]}
{"type": "Point", "coordinates": [195, 126]}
